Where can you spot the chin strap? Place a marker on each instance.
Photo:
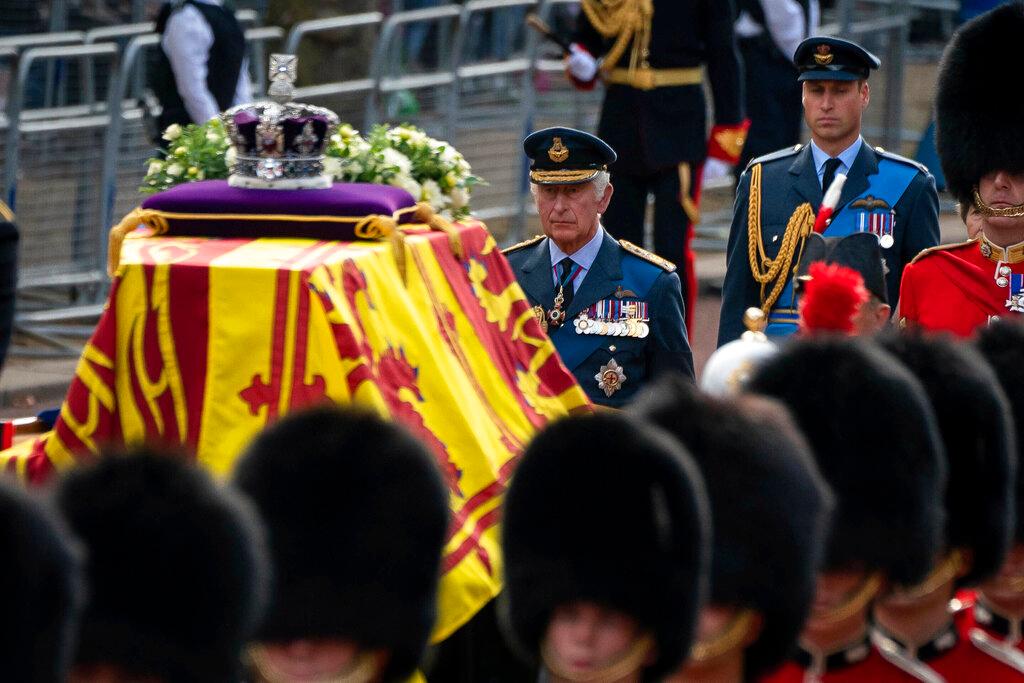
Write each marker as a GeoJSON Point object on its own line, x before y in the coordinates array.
{"type": "Point", "coordinates": [1016, 211]}
{"type": "Point", "coordinates": [629, 662]}
{"type": "Point", "coordinates": [727, 640]}
{"type": "Point", "coordinates": [363, 669]}
{"type": "Point", "coordinates": [856, 602]}
{"type": "Point", "coordinates": [944, 573]}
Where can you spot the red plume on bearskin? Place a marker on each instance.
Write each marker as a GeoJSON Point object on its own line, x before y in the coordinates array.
{"type": "Point", "coordinates": [832, 296]}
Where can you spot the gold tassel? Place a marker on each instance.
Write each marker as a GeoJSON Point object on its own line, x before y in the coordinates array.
{"type": "Point", "coordinates": [424, 213]}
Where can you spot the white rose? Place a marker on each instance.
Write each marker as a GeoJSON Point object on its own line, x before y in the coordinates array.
{"type": "Point", "coordinates": [213, 136]}
{"type": "Point", "coordinates": [459, 197]}
{"type": "Point", "coordinates": [449, 155]}
{"type": "Point", "coordinates": [354, 167]}
{"type": "Point", "coordinates": [392, 157]}
{"type": "Point", "coordinates": [407, 184]}
{"type": "Point", "coordinates": [433, 195]}
{"type": "Point", "coordinates": [230, 156]}
{"type": "Point", "coordinates": [172, 133]}
{"type": "Point", "coordinates": [175, 170]}
{"type": "Point", "coordinates": [332, 167]}
{"type": "Point", "coordinates": [154, 167]}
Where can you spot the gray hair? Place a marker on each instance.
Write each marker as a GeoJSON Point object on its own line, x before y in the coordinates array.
{"type": "Point", "coordinates": [600, 183]}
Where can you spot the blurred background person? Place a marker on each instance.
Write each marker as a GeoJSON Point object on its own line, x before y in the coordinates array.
{"type": "Point", "coordinates": [8, 277]}
{"type": "Point", "coordinates": [768, 33]}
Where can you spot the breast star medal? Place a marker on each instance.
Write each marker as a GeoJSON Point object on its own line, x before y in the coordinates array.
{"type": "Point", "coordinates": [610, 378]}
{"type": "Point", "coordinates": [556, 316]}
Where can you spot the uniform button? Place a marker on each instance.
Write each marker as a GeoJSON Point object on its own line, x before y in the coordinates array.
{"type": "Point", "coordinates": [612, 348]}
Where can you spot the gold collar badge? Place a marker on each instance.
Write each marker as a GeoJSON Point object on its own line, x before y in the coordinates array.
{"type": "Point", "coordinates": [823, 55]}
{"type": "Point", "coordinates": [558, 152]}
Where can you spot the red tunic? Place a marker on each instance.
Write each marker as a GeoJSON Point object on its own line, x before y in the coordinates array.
{"type": "Point", "coordinates": [874, 669]}
{"type": "Point", "coordinates": [954, 288]}
{"type": "Point", "coordinates": [983, 666]}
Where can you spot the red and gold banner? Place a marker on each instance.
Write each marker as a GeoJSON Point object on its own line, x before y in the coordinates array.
{"type": "Point", "coordinates": [206, 341]}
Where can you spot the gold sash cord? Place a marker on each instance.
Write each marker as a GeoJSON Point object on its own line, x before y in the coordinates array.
{"type": "Point", "coordinates": [625, 21]}
{"type": "Point", "coordinates": [774, 271]}
{"type": "Point", "coordinates": [371, 227]}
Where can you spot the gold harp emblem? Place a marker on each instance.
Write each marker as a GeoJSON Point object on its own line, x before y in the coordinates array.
{"type": "Point", "coordinates": [823, 55]}
{"type": "Point", "coordinates": [558, 152]}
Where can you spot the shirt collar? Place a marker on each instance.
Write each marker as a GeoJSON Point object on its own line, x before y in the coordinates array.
{"type": "Point", "coordinates": [847, 156]}
{"type": "Point", "coordinates": [586, 254]}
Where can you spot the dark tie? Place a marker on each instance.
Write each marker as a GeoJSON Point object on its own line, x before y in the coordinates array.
{"type": "Point", "coordinates": [831, 165]}
{"type": "Point", "coordinates": [566, 270]}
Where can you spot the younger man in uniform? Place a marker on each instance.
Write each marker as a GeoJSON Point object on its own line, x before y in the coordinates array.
{"type": "Point", "coordinates": [613, 310]}
{"type": "Point", "coordinates": [779, 194]}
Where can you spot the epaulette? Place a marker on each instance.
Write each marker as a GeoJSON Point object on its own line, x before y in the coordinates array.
{"type": "Point", "coordinates": [896, 157]}
{"type": "Point", "coordinates": [525, 243]}
{"type": "Point", "coordinates": [662, 263]}
{"type": "Point", "coordinates": [942, 247]}
{"type": "Point", "coordinates": [6, 213]}
{"type": "Point", "coordinates": [777, 154]}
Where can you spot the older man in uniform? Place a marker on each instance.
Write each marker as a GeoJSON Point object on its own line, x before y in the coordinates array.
{"type": "Point", "coordinates": [961, 286]}
{"type": "Point", "coordinates": [613, 310]}
{"type": "Point", "coordinates": [779, 194]}
{"type": "Point", "coordinates": [653, 54]}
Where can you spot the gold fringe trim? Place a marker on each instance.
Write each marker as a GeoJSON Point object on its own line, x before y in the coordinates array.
{"type": "Point", "coordinates": [625, 21]}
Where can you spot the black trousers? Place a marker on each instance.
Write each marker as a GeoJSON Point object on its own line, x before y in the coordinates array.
{"type": "Point", "coordinates": [672, 230]}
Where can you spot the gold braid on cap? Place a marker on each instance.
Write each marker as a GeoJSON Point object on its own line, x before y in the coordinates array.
{"type": "Point", "coordinates": [1016, 211]}
{"type": "Point", "coordinates": [629, 662]}
{"type": "Point", "coordinates": [623, 20]}
{"type": "Point", "coordinates": [774, 271]}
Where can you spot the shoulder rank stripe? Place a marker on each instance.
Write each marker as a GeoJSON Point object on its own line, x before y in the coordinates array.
{"type": "Point", "coordinates": [943, 247]}
{"type": "Point", "coordinates": [662, 263]}
{"type": "Point", "coordinates": [6, 213]}
{"type": "Point", "coordinates": [525, 243]}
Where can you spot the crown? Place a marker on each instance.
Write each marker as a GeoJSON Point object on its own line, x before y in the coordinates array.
{"type": "Point", "coordinates": [279, 143]}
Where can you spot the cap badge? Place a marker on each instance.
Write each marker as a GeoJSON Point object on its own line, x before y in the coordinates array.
{"type": "Point", "coordinates": [558, 152]}
{"type": "Point", "coordinates": [823, 55]}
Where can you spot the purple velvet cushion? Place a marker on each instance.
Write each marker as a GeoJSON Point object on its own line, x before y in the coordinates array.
{"type": "Point", "coordinates": [216, 197]}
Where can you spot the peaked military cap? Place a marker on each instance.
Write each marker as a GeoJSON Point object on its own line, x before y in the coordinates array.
{"type": "Point", "coordinates": [833, 59]}
{"type": "Point", "coordinates": [1002, 345]}
{"type": "Point", "coordinates": [357, 512]}
{"type": "Point", "coordinates": [875, 440]}
{"type": "Point", "coordinates": [978, 109]}
{"type": "Point", "coordinates": [859, 251]}
{"type": "Point", "coordinates": [41, 575]}
{"type": "Point", "coordinates": [756, 466]}
{"type": "Point", "coordinates": [176, 566]}
{"type": "Point", "coordinates": [566, 156]}
{"type": "Point", "coordinates": [977, 428]}
{"type": "Point", "coordinates": [603, 508]}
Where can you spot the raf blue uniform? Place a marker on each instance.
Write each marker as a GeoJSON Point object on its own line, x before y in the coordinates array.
{"type": "Point", "coordinates": [886, 194]}
{"type": "Point", "coordinates": [619, 275]}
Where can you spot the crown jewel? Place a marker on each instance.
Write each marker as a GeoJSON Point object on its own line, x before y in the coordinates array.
{"type": "Point", "coordinates": [279, 143]}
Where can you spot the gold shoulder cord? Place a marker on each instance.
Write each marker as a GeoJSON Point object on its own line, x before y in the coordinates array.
{"type": "Point", "coordinates": [764, 269]}
{"type": "Point", "coordinates": [622, 20]}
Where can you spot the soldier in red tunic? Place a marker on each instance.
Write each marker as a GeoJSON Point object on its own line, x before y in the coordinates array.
{"type": "Point", "coordinates": [992, 618]}
{"type": "Point", "coordinates": [913, 628]}
{"type": "Point", "coordinates": [874, 439]}
{"type": "Point", "coordinates": [961, 286]}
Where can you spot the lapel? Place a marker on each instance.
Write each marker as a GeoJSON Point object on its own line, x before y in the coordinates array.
{"type": "Point", "coordinates": [601, 279]}
{"type": "Point", "coordinates": [864, 165]}
{"type": "Point", "coordinates": [535, 275]}
{"type": "Point", "coordinates": [806, 178]}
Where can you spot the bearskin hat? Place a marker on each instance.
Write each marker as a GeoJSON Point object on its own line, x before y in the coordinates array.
{"type": "Point", "coordinates": [1002, 345]}
{"type": "Point", "coordinates": [876, 443]}
{"type": "Point", "coordinates": [41, 575]}
{"type": "Point", "coordinates": [607, 509]}
{"type": "Point", "coordinates": [357, 515]}
{"type": "Point", "coordinates": [176, 567]}
{"type": "Point", "coordinates": [756, 466]}
{"type": "Point", "coordinates": [978, 111]}
{"type": "Point", "coordinates": [976, 427]}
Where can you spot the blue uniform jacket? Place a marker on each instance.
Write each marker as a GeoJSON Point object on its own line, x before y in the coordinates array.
{"type": "Point", "coordinates": [788, 179]}
{"type": "Point", "coordinates": [665, 349]}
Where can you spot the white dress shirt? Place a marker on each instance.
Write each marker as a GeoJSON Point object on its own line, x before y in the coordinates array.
{"type": "Point", "coordinates": [187, 41]}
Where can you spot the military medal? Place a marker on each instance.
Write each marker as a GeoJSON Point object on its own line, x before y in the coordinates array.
{"type": "Point", "coordinates": [878, 218]}
{"type": "Point", "coordinates": [610, 377]}
{"type": "Point", "coordinates": [1016, 301]}
{"type": "Point", "coordinates": [556, 316]}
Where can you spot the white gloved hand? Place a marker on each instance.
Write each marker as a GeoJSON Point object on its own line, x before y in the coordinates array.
{"type": "Point", "coordinates": [715, 169]}
{"type": "Point", "coordinates": [581, 64]}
